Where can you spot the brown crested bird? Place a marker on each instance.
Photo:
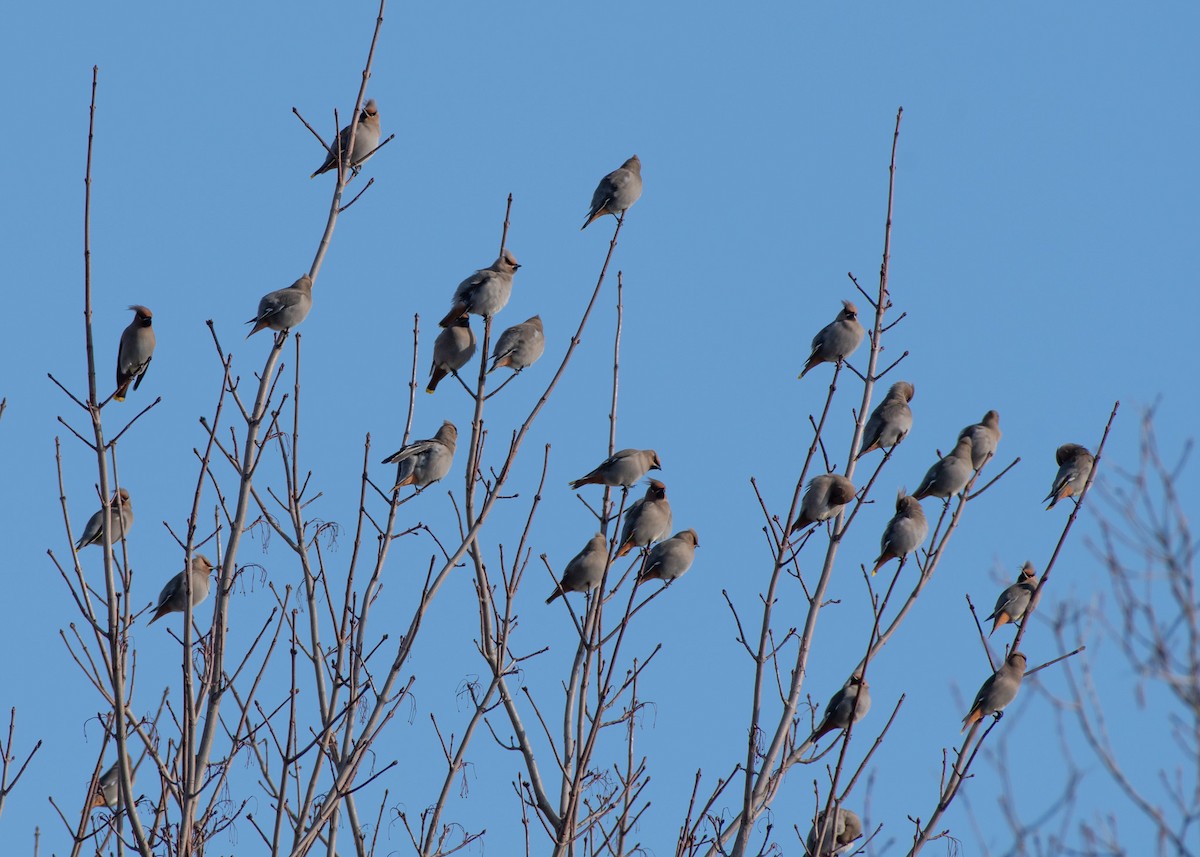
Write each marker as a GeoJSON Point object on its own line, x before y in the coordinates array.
{"type": "Point", "coordinates": [904, 532]}
{"type": "Point", "coordinates": [173, 599]}
{"type": "Point", "coordinates": [837, 340]}
{"type": "Point", "coordinates": [616, 192]}
{"type": "Point", "coordinates": [135, 351]}
{"type": "Point", "coordinates": [520, 346]}
{"type": "Point", "coordinates": [647, 520]}
{"type": "Point", "coordinates": [1074, 468]}
{"type": "Point", "coordinates": [452, 349]}
{"type": "Point", "coordinates": [949, 475]}
{"type": "Point", "coordinates": [849, 705]}
{"type": "Point", "coordinates": [621, 469]}
{"type": "Point", "coordinates": [585, 570]}
{"type": "Point", "coordinates": [283, 309]}
{"type": "Point", "coordinates": [670, 558]}
{"type": "Point", "coordinates": [891, 421]}
{"type": "Point", "coordinates": [485, 292]}
{"type": "Point", "coordinates": [108, 792]}
{"type": "Point", "coordinates": [998, 691]}
{"type": "Point", "coordinates": [424, 462]}
{"type": "Point", "coordinates": [824, 498]}
{"type": "Point", "coordinates": [835, 834]}
{"type": "Point", "coordinates": [93, 530]}
{"type": "Point", "coordinates": [1014, 601]}
{"type": "Point", "coordinates": [984, 436]}
{"type": "Point", "coordinates": [366, 139]}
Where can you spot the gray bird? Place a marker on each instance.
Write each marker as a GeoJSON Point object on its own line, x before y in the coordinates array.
{"type": "Point", "coordinates": [135, 351]}
{"type": "Point", "coordinates": [837, 340]}
{"type": "Point", "coordinates": [585, 569]}
{"type": "Point", "coordinates": [647, 520]}
{"type": "Point", "coordinates": [1074, 467]}
{"type": "Point", "coordinates": [452, 349]}
{"type": "Point", "coordinates": [835, 835]}
{"type": "Point", "coordinates": [520, 346]}
{"type": "Point", "coordinates": [848, 705]}
{"type": "Point", "coordinates": [283, 309]}
{"type": "Point", "coordinates": [366, 138]}
{"type": "Point", "coordinates": [93, 532]}
{"type": "Point", "coordinates": [891, 421]}
{"type": "Point", "coordinates": [172, 600]}
{"type": "Point", "coordinates": [950, 475]}
{"type": "Point", "coordinates": [621, 469]}
{"type": "Point", "coordinates": [985, 437]}
{"type": "Point", "coordinates": [616, 192]}
{"type": "Point", "coordinates": [1014, 601]}
{"type": "Point", "coordinates": [998, 691]}
{"type": "Point", "coordinates": [824, 498]}
{"type": "Point", "coordinates": [486, 291]}
{"type": "Point", "coordinates": [424, 462]}
{"type": "Point", "coordinates": [108, 792]}
{"type": "Point", "coordinates": [904, 532]}
{"type": "Point", "coordinates": [669, 559]}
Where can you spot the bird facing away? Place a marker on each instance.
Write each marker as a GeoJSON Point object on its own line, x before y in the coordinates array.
{"type": "Point", "coordinates": [835, 834]}
{"type": "Point", "coordinates": [1014, 601]}
{"type": "Point", "coordinates": [616, 192]}
{"type": "Point", "coordinates": [135, 351]}
{"type": "Point", "coordinates": [172, 598]}
{"type": "Point", "coordinates": [366, 138]}
{"type": "Point", "coordinates": [424, 462]}
{"type": "Point", "coordinates": [585, 570]}
{"type": "Point", "coordinates": [837, 340]}
{"type": "Point", "coordinates": [93, 532]}
{"type": "Point", "coordinates": [452, 349]}
{"type": "Point", "coordinates": [669, 559]}
{"type": "Point", "coordinates": [985, 437]}
{"type": "Point", "coordinates": [904, 532]}
{"type": "Point", "coordinates": [108, 792]}
{"type": "Point", "coordinates": [486, 291]}
{"type": "Point", "coordinates": [647, 520]}
{"type": "Point", "coordinates": [890, 421]}
{"type": "Point", "coordinates": [283, 309]}
{"type": "Point", "coordinates": [520, 346]}
{"type": "Point", "coordinates": [950, 475]}
{"type": "Point", "coordinates": [824, 498]}
{"type": "Point", "coordinates": [621, 469]}
{"type": "Point", "coordinates": [848, 705]}
{"type": "Point", "coordinates": [1074, 467]}
{"type": "Point", "coordinates": [998, 691]}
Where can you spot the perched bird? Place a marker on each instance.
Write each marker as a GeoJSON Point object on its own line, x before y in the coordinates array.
{"type": "Point", "coordinates": [950, 475]}
{"type": "Point", "coordinates": [890, 421]}
{"type": "Point", "coordinates": [108, 791]}
{"type": "Point", "coordinates": [1014, 601]}
{"type": "Point", "coordinates": [486, 291]}
{"type": "Point", "coordinates": [135, 351]}
{"type": "Point", "coordinates": [835, 834]}
{"type": "Point", "coordinates": [837, 340]}
{"type": "Point", "coordinates": [669, 559]}
{"type": "Point", "coordinates": [424, 462]}
{"type": "Point", "coordinates": [520, 346]}
{"type": "Point", "coordinates": [283, 309]}
{"type": "Point", "coordinates": [93, 530]}
{"type": "Point", "coordinates": [622, 468]}
{"type": "Point", "coordinates": [904, 532]}
{"type": "Point", "coordinates": [998, 691]}
{"type": "Point", "coordinates": [647, 520]}
{"type": "Point", "coordinates": [985, 437]}
{"type": "Point", "coordinates": [586, 568]}
{"type": "Point", "coordinates": [1074, 467]}
{"type": "Point", "coordinates": [824, 498]}
{"type": "Point", "coordinates": [848, 705]}
{"type": "Point", "coordinates": [366, 138]}
{"type": "Point", "coordinates": [616, 192]}
{"type": "Point", "coordinates": [171, 599]}
{"type": "Point", "coordinates": [452, 349]}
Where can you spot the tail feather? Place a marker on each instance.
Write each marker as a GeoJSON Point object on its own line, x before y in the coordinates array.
{"type": "Point", "coordinates": [435, 378]}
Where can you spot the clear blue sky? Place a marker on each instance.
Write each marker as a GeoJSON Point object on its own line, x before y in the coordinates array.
{"type": "Point", "coordinates": [1045, 228]}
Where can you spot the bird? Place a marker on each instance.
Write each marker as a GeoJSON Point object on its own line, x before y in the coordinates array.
{"type": "Point", "coordinates": [949, 475]}
{"type": "Point", "coordinates": [1014, 601]}
{"type": "Point", "coordinates": [520, 346]}
{"type": "Point", "coordinates": [108, 792]}
{"type": "Point", "coordinates": [904, 532]}
{"type": "Point", "coordinates": [824, 498]}
{"type": "Point", "coordinates": [837, 340]}
{"type": "Point", "coordinates": [452, 349]}
{"type": "Point", "coordinates": [985, 437]}
{"type": "Point", "coordinates": [646, 520]}
{"type": "Point", "coordinates": [93, 530]}
{"type": "Point", "coordinates": [486, 291]}
{"type": "Point", "coordinates": [616, 192]}
{"type": "Point", "coordinates": [585, 570]}
{"type": "Point", "coordinates": [891, 421]}
{"type": "Point", "coordinates": [848, 705]}
{"type": "Point", "coordinates": [1074, 467]}
{"type": "Point", "coordinates": [669, 559]}
{"type": "Point", "coordinates": [366, 139]}
{"type": "Point", "coordinates": [135, 351]}
{"type": "Point", "coordinates": [172, 597]}
{"type": "Point", "coordinates": [283, 309]}
{"type": "Point", "coordinates": [844, 828]}
{"type": "Point", "coordinates": [998, 691]}
{"type": "Point", "coordinates": [621, 469]}
{"type": "Point", "coordinates": [424, 462]}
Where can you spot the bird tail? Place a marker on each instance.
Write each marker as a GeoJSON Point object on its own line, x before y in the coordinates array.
{"type": "Point", "coordinates": [454, 315]}
{"type": "Point", "coordinates": [259, 324]}
{"type": "Point", "coordinates": [625, 548]}
{"type": "Point", "coordinates": [435, 378]}
{"type": "Point", "coordinates": [504, 360]}
{"type": "Point", "coordinates": [576, 484]}
{"type": "Point", "coordinates": [883, 557]}
{"type": "Point", "coordinates": [595, 215]}
{"type": "Point", "coordinates": [973, 717]}
{"type": "Point", "coordinates": [557, 592]}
